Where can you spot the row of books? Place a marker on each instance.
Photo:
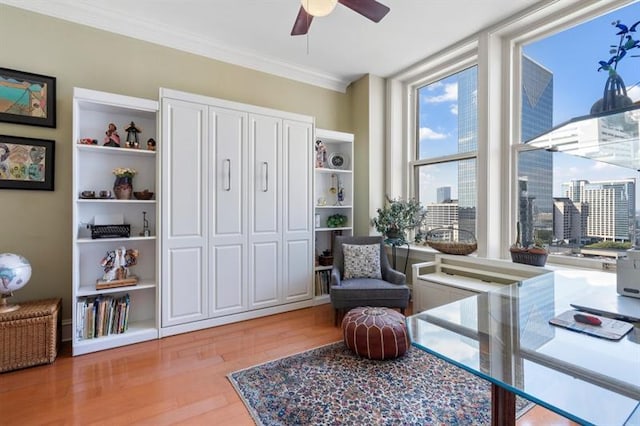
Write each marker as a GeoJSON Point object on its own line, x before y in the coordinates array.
{"type": "Point", "coordinates": [102, 315]}
{"type": "Point", "coordinates": [322, 282]}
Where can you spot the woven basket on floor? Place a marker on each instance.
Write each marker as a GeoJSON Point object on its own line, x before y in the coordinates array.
{"type": "Point", "coordinates": [29, 336]}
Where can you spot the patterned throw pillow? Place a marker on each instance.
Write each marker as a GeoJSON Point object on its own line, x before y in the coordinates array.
{"type": "Point", "coordinates": [361, 261]}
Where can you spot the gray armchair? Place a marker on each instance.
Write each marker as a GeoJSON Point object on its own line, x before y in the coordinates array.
{"type": "Point", "coordinates": [391, 291]}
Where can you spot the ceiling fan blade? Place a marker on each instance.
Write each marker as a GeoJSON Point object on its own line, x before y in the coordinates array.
{"type": "Point", "coordinates": [368, 8]}
{"type": "Point", "coordinates": [302, 24]}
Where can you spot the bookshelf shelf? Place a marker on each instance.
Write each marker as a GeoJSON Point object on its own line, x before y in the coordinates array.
{"type": "Point", "coordinates": [327, 182]}
{"type": "Point", "coordinates": [93, 167]}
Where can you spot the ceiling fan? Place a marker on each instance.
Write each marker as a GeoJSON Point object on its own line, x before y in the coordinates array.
{"type": "Point", "coordinates": [368, 8]}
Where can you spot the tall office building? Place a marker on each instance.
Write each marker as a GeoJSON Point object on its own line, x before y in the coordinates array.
{"type": "Point", "coordinates": [570, 219]}
{"type": "Point", "coordinates": [611, 206]}
{"type": "Point", "coordinates": [467, 141]}
{"type": "Point", "coordinates": [443, 194]}
{"type": "Point", "coordinates": [442, 215]}
{"type": "Point", "coordinates": [536, 166]}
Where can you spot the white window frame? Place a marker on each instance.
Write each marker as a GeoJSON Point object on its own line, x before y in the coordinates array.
{"type": "Point", "coordinates": [541, 28]}
{"type": "Point", "coordinates": [496, 51]}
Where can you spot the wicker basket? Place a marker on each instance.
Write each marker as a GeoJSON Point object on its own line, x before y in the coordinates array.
{"type": "Point", "coordinates": [452, 241]}
{"type": "Point", "coordinates": [527, 258]}
{"type": "Point", "coordinates": [30, 335]}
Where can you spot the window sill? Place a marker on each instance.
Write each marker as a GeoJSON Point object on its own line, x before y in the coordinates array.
{"type": "Point", "coordinates": [420, 253]}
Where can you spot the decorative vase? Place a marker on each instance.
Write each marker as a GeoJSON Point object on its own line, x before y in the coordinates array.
{"type": "Point", "coordinates": [123, 187]}
{"type": "Point", "coordinates": [614, 96]}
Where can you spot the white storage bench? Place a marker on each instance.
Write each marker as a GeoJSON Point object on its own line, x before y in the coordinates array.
{"type": "Point", "coordinates": [449, 278]}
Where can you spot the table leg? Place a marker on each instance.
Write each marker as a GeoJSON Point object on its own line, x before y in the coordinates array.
{"type": "Point", "coordinates": [503, 406]}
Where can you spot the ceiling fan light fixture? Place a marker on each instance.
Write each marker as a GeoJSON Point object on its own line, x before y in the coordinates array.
{"type": "Point", "coordinates": [319, 8]}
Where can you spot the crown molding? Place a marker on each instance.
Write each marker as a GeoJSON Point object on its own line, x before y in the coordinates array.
{"type": "Point", "coordinates": [103, 19]}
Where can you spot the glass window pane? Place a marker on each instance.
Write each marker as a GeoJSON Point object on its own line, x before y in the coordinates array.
{"type": "Point", "coordinates": [567, 202]}
{"type": "Point", "coordinates": [448, 192]}
{"type": "Point", "coordinates": [448, 115]}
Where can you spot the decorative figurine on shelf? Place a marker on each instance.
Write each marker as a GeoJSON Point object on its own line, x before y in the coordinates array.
{"type": "Point", "coordinates": [321, 154]}
{"type": "Point", "coordinates": [112, 138]}
{"type": "Point", "coordinates": [116, 263]}
{"type": "Point", "coordinates": [337, 189]}
{"type": "Point", "coordinates": [132, 136]}
{"type": "Point", "coordinates": [151, 144]}
{"type": "Point", "coordinates": [145, 226]}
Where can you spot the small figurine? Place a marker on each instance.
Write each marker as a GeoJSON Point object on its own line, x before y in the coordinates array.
{"type": "Point", "coordinates": [340, 194]}
{"type": "Point", "coordinates": [116, 263]}
{"type": "Point", "coordinates": [132, 136]}
{"type": "Point", "coordinates": [145, 226]}
{"type": "Point", "coordinates": [151, 144]}
{"type": "Point", "coordinates": [321, 154]}
{"type": "Point", "coordinates": [112, 138]}
{"type": "Point", "coordinates": [88, 141]}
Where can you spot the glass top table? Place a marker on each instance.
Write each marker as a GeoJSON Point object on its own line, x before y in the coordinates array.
{"type": "Point", "coordinates": [504, 336]}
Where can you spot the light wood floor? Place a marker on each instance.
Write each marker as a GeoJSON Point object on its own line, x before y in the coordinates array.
{"type": "Point", "coordinates": [175, 380]}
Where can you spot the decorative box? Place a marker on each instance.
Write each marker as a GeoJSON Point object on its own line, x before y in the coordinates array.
{"type": "Point", "coordinates": [30, 335]}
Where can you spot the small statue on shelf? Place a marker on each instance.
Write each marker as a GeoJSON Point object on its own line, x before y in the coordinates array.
{"type": "Point", "coordinates": [132, 136]}
{"type": "Point", "coordinates": [151, 144]}
{"type": "Point", "coordinates": [146, 232]}
{"type": "Point", "coordinates": [321, 154]}
{"type": "Point", "coordinates": [112, 138]}
{"type": "Point", "coordinates": [116, 263]}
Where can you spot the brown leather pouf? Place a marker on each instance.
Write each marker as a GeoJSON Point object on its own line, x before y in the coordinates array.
{"type": "Point", "coordinates": [375, 333]}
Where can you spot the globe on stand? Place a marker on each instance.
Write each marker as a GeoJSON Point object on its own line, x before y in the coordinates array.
{"type": "Point", "coordinates": [15, 272]}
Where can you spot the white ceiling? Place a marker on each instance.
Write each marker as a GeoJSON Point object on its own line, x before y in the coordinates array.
{"type": "Point", "coordinates": [339, 49]}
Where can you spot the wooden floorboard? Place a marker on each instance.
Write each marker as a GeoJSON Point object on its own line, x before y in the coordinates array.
{"type": "Point", "coordinates": [175, 380]}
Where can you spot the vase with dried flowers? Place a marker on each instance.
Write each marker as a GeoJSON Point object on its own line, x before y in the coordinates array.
{"type": "Point", "coordinates": [123, 185]}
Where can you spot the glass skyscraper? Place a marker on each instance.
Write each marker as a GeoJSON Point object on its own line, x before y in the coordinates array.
{"type": "Point", "coordinates": [536, 167]}
{"type": "Point", "coordinates": [467, 141]}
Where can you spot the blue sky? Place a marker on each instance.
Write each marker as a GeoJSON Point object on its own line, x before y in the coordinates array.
{"type": "Point", "coordinates": [572, 56]}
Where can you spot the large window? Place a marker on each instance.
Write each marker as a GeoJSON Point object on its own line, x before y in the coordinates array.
{"type": "Point", "coordinates": [445, 158]}
{"type": "Point", "coordinates": [578, 207]}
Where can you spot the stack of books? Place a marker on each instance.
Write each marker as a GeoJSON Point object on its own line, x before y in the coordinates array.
{"type": "Point", "coordinates": [102, 315]}
{"type": "Point", "coordinates": [322, 282]}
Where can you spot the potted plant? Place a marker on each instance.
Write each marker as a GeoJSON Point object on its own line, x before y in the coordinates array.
{"type": "Point", "coordinates": [400, 217]}
{"type": "Point", "coordinates": [615, 91]}
{"type": "Point", "coordinates": [534, 254]}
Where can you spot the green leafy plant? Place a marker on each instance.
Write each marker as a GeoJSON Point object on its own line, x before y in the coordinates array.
{"type": "Point", "coordinates": [399, 217]}
{"type": "Point", "coordinates": [336, 220]}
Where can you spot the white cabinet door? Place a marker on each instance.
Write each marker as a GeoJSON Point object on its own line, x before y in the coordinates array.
{"type": "Point", "coordinates": [265, 210]}
{"type": "Point", "coordinates": [297, 210]}
{"type": "Point", "coordinates": [228, 180]}
{"type": "Point", "coordinates": [184, 212]}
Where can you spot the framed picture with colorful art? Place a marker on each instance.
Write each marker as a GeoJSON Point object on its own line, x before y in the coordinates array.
{"type": "Point", "coordinates": [26, 163]}
{"type": "Point", "coordinates": [27, 98]}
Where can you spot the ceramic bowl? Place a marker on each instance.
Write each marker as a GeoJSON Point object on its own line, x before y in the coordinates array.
{"type": "Point", "coordinates": [143, 195]}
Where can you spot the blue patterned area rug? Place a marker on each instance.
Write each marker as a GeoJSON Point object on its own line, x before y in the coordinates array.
{"type": "Point", "coordinates": [331, 385]}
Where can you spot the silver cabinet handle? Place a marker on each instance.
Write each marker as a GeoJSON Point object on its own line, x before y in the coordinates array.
{"type": "Point", "coordinates": [265, 167]}
{"type": "Point", "coordinates": [227, 165]}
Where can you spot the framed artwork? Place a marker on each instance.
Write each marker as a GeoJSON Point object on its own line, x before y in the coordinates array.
{"type": "Point", "coordinates": [26, 163]}
{"type": "Point", "coordinates": [27, 98]}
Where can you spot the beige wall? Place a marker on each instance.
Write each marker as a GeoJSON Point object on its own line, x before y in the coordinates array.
{"type": "Point", "coordinates": [367, 106]}
{"type": "Point", "coordinates": [37, 224]}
